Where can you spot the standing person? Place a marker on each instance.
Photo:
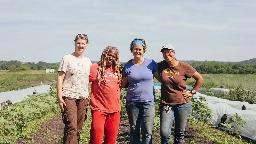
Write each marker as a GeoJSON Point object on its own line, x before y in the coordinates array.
{"type": "Point", "coordinates": [72, 89]}
{"type": "Point", "coordinates": [140, 99]}
{"type": "Point", "coordinates": [105, 104]}
{"type": "Point", "coordinates": [175, 103]}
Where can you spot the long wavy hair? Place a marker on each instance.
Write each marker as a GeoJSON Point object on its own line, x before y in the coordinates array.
{"type": "Point", "coordinates": [102, 65]}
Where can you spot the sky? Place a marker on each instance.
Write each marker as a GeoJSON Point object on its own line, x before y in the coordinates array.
{"type": "Point", "coordinates": [44, 30]}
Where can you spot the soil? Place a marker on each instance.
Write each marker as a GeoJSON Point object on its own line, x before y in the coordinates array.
{"type": "Point", "coordinates": [51, 132]}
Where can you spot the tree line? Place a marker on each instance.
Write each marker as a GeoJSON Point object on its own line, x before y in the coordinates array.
{"type": "Point", "coordinates": [15, 65]}
{"type": "Point", "coordinates": [213, 67]}
{"type": "Point", "coordinates": [203, 67]}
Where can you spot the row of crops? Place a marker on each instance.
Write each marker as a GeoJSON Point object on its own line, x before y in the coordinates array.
{"type": "Point", "coordinates": [22, 118]}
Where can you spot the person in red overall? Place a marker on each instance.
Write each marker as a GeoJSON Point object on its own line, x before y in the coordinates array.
{"type": "Point", "coordinates": [105, 104]}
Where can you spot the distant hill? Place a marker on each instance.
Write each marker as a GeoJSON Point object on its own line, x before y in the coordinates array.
{"type": "Point", "coordinates": [245, 62]}
{"type": "Point", "coordinates": [250, 61]}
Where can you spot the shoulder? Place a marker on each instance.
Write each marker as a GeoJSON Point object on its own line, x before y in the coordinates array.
{"type": "Point", "coordinates": [87, 59]}
{"type": "Point", "coordinates": [67, 57]}
{"type": "Point", "coordinates": [161, 63]}
{"type": "Point", "coordinates": [186, 66]}
{"type": "Point", "coordinates": [149, 61]}
{"type": "Point", "coordinates": [183, 64]}
{"type": "Point", "coordinates": [94, 67]}
{"type": "Point", "coordinates": [128, 64]}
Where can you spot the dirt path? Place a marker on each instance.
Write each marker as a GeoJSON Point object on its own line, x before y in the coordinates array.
{"type": "Point", "coordinates": [51, 132]}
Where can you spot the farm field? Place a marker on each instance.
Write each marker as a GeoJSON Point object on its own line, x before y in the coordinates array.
{"type": "Point", "coordinates": [230, 81]}
{"type": "Point", "coordinates": [43, 124]}
{"type": "Point", "coordinates": [39, 121]}
{"type": "Point", "coordinates": [242, 87]}
{"type": "Point", "coordinates": [24, 79]}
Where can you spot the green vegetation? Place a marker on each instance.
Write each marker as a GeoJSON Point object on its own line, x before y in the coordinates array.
{"type": "Point", "coordinates": [230, 81]}
{"type": "Point", "coordinates": [213, 67]}
{"type": "Point", "coordinates": [23, 79]}
{"type": "Point", "coordinates": [200, 109]}
{"type": "Point", "coordinates": [234, 119]}
{"type": "Point", "coordinates": [199, 120]}
{"type": "Point", "coordinates": [238, 94]}
{"type": "Point", "coordinates": [23, 118]}
{"type": "Point", "coordinates": [250, 61]}
{"type": "Point", "coordinates": [15, 65]}
{"type": "Point", "coordinates": [212, 135]}
{"type": "Point", "coordinates": [242, 87]}
{"type": "Point", "coordinates": [85, 134]}
{"type": "Point", "coordinates": [203, 67]}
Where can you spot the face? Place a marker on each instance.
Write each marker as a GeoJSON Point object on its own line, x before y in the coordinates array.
{"type": "Point", "coordinates": [80, 46]}
{"type": "Point", "coordinates": [168, 55]}
{"type": "Point", "coordinates": [111, 58]}
{"type": "Point", "coordinates": [138, 51]}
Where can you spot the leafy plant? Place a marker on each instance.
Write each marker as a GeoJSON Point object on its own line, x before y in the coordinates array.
{"type": "Point", "coordinates": [20, 119]}
{"type": "Point", "coordinates": [233, 123]}
{"type": "Point", "coordinates": [200, 109]}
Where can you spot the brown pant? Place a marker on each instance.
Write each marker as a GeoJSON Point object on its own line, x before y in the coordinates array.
{"type": "Point", "coordinates": [73, 117]}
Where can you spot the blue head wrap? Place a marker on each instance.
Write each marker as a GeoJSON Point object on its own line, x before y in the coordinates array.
{"type": "Point", "coordinates": [140, 42]}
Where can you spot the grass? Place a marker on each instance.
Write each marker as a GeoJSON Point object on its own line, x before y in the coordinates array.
{"type": "Point", "coordinates": [242, 87]}
{"type": "Point", "coordinates": [24, 79]}
{"type": "Point", "coordinates": [3, 71]}
{"type": "Point", "coordinates": [209, 133]}
{"type": "Point", "coordinates": [230, 81]}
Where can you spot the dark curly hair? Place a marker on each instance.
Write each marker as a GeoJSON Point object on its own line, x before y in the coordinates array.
{"type": "Point", "coordinates": [102, 64]}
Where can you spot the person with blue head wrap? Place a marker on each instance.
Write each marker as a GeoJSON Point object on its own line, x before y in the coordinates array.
{"type": "Point", "coordinates": [140, 42]}
{"type": "Point", "coordinates": [138, 74]}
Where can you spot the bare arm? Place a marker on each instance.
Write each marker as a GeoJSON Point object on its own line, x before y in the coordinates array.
{"type": "Point", "coordinates": [124, 82]}
{"type": "Point", "coordinates": [157, 76]}
{"type": "Point", "coordinates": [199, 80]}
{"type": "Point", "coordinates": [60, 79]}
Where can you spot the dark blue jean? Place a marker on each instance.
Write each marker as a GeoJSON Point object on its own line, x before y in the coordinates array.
{"type": "Point", "coordinates": [141, 115]}
{"type": "Point", "coordinates": [178, 112]}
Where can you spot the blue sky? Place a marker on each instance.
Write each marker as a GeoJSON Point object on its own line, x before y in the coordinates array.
{"type": "Point", "coordinates": [44, 30]}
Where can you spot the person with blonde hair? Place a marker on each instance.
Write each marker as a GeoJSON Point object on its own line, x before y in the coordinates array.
{"type": "Point", "coordinates": [105, 104]}
{"type": "Point", "coordinates": [72, 89]}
